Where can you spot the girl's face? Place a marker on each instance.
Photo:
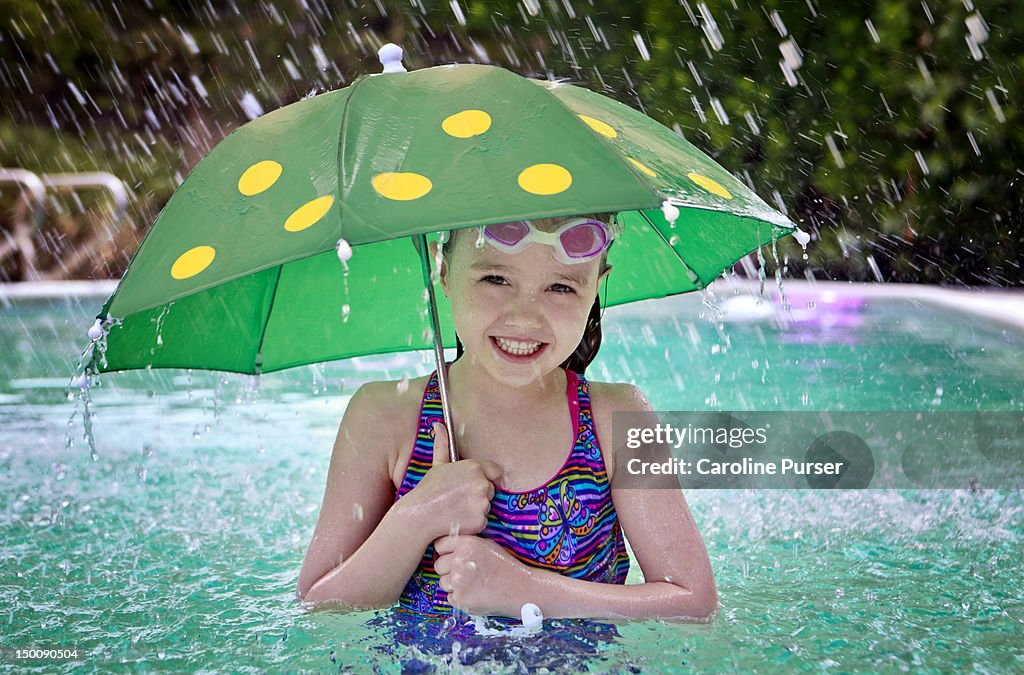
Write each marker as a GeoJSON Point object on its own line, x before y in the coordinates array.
{"type": "Point", "coordinates": [527, 296]}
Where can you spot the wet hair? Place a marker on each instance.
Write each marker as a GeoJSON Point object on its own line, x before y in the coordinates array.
{"type": "Point", "coordinates": [591, 341]}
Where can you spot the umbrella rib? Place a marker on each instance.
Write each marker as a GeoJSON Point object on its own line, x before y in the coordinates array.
{"type": "Point", "coordinates": [258, 360]}
{"type": "Point", "coordinates": [694, 277]}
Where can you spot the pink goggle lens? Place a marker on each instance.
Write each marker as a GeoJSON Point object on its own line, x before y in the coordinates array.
{"type": "Point", "coordinates": [509, 234]}
{"type": "Point", "coordinates": [584, 240]}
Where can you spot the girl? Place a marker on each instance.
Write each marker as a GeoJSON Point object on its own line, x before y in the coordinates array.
{"type": "Point", "coordinates": [515, 520]}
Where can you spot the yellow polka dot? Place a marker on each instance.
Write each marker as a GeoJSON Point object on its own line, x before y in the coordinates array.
{"type": "Point", "coordinates": [599, 126]}
{"type": "Point", "coordinates": [308, 214]}
{"type": "Point", "coordinates": [466, 123]}
{"type": "Point", "coordinates": [401, 186]}
{"type": "Point", "coordinates": [259, 177]}
{"type": "Point", "coordinates": [709, 185]}
{"type": "Point", "coordinates": [192, 262]}
{"type": "Point", "coordinates": [545, 179]}
{"type": "Point", "coordinates": [643, 168]}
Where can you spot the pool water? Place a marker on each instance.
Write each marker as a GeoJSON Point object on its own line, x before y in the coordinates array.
{"type": "Point", "coordinates": [179, 546]}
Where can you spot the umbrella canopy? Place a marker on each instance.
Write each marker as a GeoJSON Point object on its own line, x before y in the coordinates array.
{"type": "Point", "coordinates": [241, 270]}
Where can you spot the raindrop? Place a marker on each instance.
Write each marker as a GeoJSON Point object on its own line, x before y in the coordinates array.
{"type": "Point", "coordinates": [720, 113]}
{"type": "Point", "coordinates": [638, 40]}
{"type": "Point", "coordinates": [791, 54]}
{"type": "Point", "coordinates": [925, 73]}
{"type": "Point", "coordinates": [698, 109]}
{"type": "Point", "coordinates": [787, 71]}
{"type": "Point", "coordinates": [974, 144]}
{"type": "Point", "coordinates": [777, 22]}
{"type": "Point", "coordinates": [457, 11]}
{"type": "Point", "coordinates": [996, 108]}
{"type": "Point", "coordinates": [921, 162]}
{"type": "Point", "coordinates": [928, 12]}
{"type": "Point", "coordinates": [874, 268]}
{"type": "Point", "coordinates": [834, 149]}
{"type": "Point", "coordinates": [480, 238]}
{"type": "Point", "coordinates": [403, 385]}
{"type": "Point", "coordinates": [357, 512]}
{"type": "Point", "coordinates": [871, 30]}
{"type": "Point", "coordinates": [978, 28]}
{"type": "Point", "coordinates": [751, 123]}
{"type": "Point", "coordinates": [710, 27]}
{"type": "Point", "coordinates": [250, 106]}
{"type": "Point", "coordinates": [345, 310]}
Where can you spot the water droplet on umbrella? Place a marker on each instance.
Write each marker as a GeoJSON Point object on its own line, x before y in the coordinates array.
{"type": "Point", "coordinates": [96, 330]}
{"type": "Point", "coordinates": [344, 250]}
{"type": "Point", "coordinates": [670, 211]}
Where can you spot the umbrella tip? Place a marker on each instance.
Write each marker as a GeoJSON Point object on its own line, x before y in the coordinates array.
{"type": "Point", "coordinates": [390, 56]}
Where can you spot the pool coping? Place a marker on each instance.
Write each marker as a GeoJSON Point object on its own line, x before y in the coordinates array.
{"type": "Point", "coordinates": [1002, 304]}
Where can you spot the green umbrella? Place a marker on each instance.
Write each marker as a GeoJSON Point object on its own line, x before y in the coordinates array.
{"type": "Point", "coordinates": [241, 270]}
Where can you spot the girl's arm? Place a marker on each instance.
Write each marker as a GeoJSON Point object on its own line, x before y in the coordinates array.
{"type": "Point", "coordinates": [364, 549]}
{"type": "Point", "coordinates": [663, 537]}
{"type": "Point", "coordinates": [666, 543]}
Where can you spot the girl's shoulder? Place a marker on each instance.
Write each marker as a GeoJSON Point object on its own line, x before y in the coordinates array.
{"type": "Point", "coordinates": [616, 396]}
{"type": "Point", "coordinates": [607, 398]}
{"type": "Point", "coordinates": [399, 402]}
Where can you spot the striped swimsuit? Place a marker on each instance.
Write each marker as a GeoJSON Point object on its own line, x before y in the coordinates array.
{"type": "Point", "coordinates": [568, 525]}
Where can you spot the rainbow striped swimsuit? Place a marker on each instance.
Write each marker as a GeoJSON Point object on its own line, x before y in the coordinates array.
{"type": "Point", "coordinates": [568, 525]}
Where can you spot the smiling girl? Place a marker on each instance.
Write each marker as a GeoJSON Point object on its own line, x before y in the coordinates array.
{"type": "Point", "coordinates": [528, 513]}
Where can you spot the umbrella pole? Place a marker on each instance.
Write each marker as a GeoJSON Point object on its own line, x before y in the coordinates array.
{"type": "Point", "coordinates": [420, 240]}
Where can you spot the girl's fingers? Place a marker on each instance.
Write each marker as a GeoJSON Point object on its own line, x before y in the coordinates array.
{"type": "Point", "coordinates": [441, 453]}
{"type": "Point", "coordinates": [443, 565]}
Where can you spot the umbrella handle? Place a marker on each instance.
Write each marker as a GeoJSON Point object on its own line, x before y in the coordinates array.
{"type": "Point", "coordinates": [420, 242]}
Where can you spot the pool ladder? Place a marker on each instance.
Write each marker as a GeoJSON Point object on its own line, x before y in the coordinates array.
{"type": "Point", "coordinates": [30, 214]}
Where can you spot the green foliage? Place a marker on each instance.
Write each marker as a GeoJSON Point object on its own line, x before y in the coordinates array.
{"type": "Point", "coordinates": [893, 142]}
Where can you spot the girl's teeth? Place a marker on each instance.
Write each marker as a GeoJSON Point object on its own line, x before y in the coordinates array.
{"type": "Point", "coordinates": [518, 348]}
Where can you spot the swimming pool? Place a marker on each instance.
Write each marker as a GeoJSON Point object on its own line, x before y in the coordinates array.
{"type": "Point", "coordinates": [179, 546]}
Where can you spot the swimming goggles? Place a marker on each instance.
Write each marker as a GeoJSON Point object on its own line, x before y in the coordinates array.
{"type": "Point", "coordinates": [576, 241]}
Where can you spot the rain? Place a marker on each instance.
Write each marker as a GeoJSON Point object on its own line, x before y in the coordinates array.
{"type": "Point", "coordinates": [158, 517]}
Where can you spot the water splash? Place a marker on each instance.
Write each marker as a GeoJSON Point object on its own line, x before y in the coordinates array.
{"type": "Point", "coordinates": [778, 275]}
{"type": "Point", "coordinates": [84, 378]}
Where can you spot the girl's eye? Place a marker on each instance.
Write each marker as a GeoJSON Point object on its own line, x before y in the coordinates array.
{"type": "Point", "coordinates": [489, 279]}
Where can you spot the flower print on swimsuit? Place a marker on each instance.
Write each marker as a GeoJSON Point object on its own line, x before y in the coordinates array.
{"type": "Point", "coordinates": [590, 444]}
{"type": "Point", "coordinates": [562, 521]}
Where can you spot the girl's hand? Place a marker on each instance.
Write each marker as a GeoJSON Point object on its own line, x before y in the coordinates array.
{"type": "Point", "coordinates": [454, 497]}
{"type": "Point", "coordinates": [480, 576]}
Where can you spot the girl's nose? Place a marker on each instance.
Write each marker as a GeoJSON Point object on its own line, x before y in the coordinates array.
{"type": "Point", "coordinates": [523, 311]}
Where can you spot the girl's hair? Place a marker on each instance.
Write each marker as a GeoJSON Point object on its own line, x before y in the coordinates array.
{"type": "Point", "coordinates": [591, 342]}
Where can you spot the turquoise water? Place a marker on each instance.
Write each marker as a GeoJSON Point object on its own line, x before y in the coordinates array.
{"type": "Point", "coordinates": [179, 546]}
